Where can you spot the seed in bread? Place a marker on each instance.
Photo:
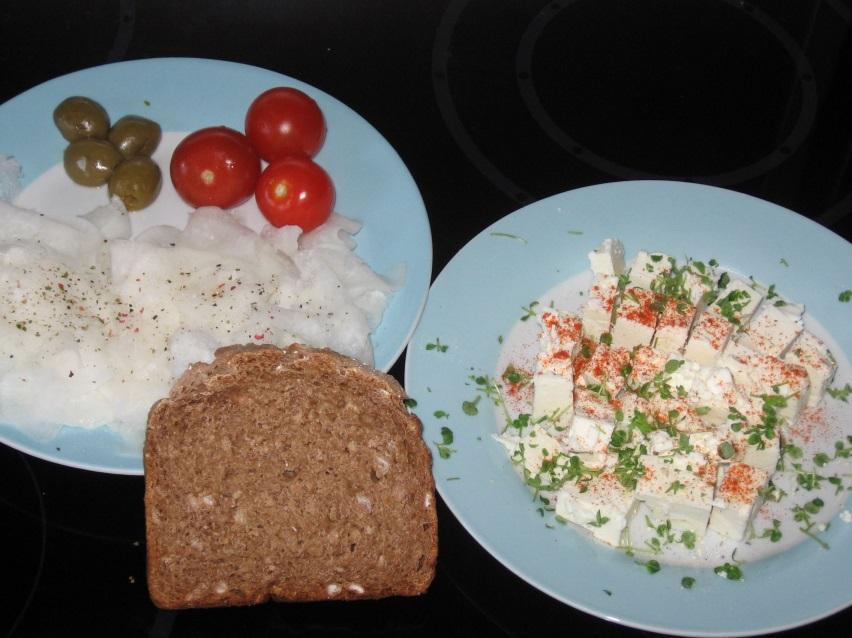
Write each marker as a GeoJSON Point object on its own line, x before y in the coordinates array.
{"type": "Point", "coordinates": [293, 474]}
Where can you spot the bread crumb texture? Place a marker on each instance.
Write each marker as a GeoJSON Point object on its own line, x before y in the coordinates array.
{"type": "Point", "coordinates": [293, 474]}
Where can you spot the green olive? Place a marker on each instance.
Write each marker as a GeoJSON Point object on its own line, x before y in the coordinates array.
{"type": "Point", "coordinates": [136, 181]}
{"type": "Point", "coordinates": [90, 162]}
{"type": "Point", "coordinates": [78, 118]}
{"type": "Point", "coordinates": [133, 135]}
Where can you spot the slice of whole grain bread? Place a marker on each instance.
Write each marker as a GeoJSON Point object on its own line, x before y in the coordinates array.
{"type": "Point", "coordinates": [294, 474]}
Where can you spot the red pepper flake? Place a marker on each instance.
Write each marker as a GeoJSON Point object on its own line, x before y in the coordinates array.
{"type": "Point", "coordinates": [740, 484]}
{"type": "Point", "coordinates": [259, 337]}
{"type": "Point", "coordinates": [61, 286]}
{"type": "Point", "coordinates": [676, 314]}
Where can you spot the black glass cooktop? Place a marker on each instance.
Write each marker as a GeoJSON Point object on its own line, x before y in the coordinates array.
{"type": "Point", "coordinates": [492, 105]}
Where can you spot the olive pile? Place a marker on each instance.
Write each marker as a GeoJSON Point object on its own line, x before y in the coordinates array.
{"type": "Point", "coordinates": [119, 156]}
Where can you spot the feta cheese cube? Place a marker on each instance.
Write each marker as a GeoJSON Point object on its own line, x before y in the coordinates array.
{"type": "Point", "coordinates": [673, 325]}
{"type": "Point", "coordinates": [675, 412]}
{"type": "Point", "coordinates": [645, 364]}
{"type": "Point", "coordinates": [561, 334]}
{"type": "Point", "coordinates": [675, 494]}
{"type": "Point", "coordinates": [681, 380]}
{"type": "Point", "coordinates": [553, 400]}
{"type": "Point", "coordinates": [771, 331]}
{"type": "Point", "coordinates": [534, 447]}
{"type": "Point", "coordinates": [710, 335]}
{"type": "Point", "coordinates": [603, 373]}
{"type": "Point", "coordinates": [649, 266]}
{"type": "Point", "coordinates": [764, 456]}
{"type": "Point", "coordinates": [736, 302]}
{"type": "Point", "coordinates": [593, 405]}
{"type": "Point", "coordinates": [812, 354]}
{"type": "Point", "coordinates": [737, 499]}
{"type": "Point", "coordinates": [659, 442]}
{"type": "Point", "coordinates": [553, 380]}
{"type": "Point", "coordinates": [608, 258]}
{"type": "Point", "coordinates": [713, 392]}
{"type": "Point", "coordinates": [758, 374]}
{"type": "Point", "coordinates": [600, 302]}
{"type": "Point", "coordinates": [588, 435]}
{"type": "Point", "coordinates": [698, 281]}
{"type": "Point", "coordinates": [635, 319]}
{"type": "Point", "coordinates": [604, 508]}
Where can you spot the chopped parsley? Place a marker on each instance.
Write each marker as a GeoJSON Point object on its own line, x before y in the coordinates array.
{"type": "Point", "coordinates": [438, 346]}
{"type": "Point", "coordinates": [529, 311]}
{"type": "Point", "coordinates": [845, 296]}
{"type": "Point", "coordinates": [599, 521]}
{"type": "Point", "coordinates": [810, 528]}
{"type": "Point", "coordinates": [729, 571]}
{"type": "Point", "coordinates": [773, 533]}
{"type": "Point", "coordinates": [841, 394]}
{"type": "Point", "coordinates": [687, 582]}
{"type": "Point", "coordinates": [509, 236]}
{"type": "Point", "coordinates": [469, 407]}
{"type": "Point", "coordinates": [444, 449]}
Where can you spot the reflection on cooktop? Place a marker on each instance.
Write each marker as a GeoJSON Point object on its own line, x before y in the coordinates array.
{"type": "Point", "coordinates": [724, 93]}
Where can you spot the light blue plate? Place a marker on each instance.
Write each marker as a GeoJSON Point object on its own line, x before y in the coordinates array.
{"type": "Point", "coordinates": [479, 296]}
{"type": "Point", "coordinates": [183, 94]}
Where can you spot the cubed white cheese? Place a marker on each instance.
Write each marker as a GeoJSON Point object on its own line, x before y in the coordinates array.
{"type": "Point", "coordinates": [588, 435]}
{"type": "Point", "coordinates": [812, 354]}
{"type": "Point", "coordinates": [535, 447]}
{"type": "Point", "coordinates": [682, 378]}
{"type": "Point", "coordinates": [647, 267]}
{"type": "Point", "coordinates": [608, 258]}
{"type": "Point", "coordinates": [600, 302]}
{"type": "Point", "coordinates": [737, 301]}
{"type": "Point", "coordinates": [593, 405]}
{"type": "Point", "coordinates": [677, 412]}
{"type": "Point", "coordinates": [674, 494]}
{"type": "Point", "coordinates": [764, 454]}
{"type": "Point", "coordinates": [737, 499]}
{"type": "Point", "coordinates": [770, 331]}
{"type": "Point", "coordinates": [697, 282]}
{"type": "Point", "coordinates": [553, 399]}
{"type": "Point", "coordinates": [758, 374]}
{"type": "Point", "coordinates": [604, 508]}
{"type": "Point", "coordinates": [710, 335]}
{"type": "Point", "coordinates": [645, 364]}
{"type": "Point", "coordinates": [713, 392]}
{"type": "Point", "coordinates": [561, 334]}
{"type": "Point", "coordinates": [635, 319]}
{"type": "Point", "coordinates": [553, 380]}
{"type": "Point", "coordinates": [673, 325]}
{"type": "Point", "coordinates": [603, 372]}
{"type": "Point", "coordinates": [659, 442]}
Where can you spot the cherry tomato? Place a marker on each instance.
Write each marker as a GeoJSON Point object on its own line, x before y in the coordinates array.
{"type": "Point", "coordinates": [215, 166]}
{"type": "Point", "coordinates": [284, 121]}
{"type": "Point", "coordinates": [295, 191]}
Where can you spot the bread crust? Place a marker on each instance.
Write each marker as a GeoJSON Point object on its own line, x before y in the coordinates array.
{"type": "Point", "coordinates": [288, 475]}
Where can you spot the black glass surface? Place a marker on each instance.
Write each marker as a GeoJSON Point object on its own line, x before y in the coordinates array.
{"type": "Point", "coordinates": [491, 105]}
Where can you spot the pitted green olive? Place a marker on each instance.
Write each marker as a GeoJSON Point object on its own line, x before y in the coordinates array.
{"type": "Point", "coordinates": [133, 135]}
{"type": "Point", "coordinates": [136, 181]}
{"type": "Point", "coordinates": [80, 118]}
{"type": "Point", "coordinates": [90, 162]}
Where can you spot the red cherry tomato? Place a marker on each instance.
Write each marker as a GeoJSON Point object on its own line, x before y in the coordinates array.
{"type": "Point", "coordinates": [295, 191]}
{"type": "Point", "coordinates": [284, 121]}
{"type": "Point", "coordinates": [215, 166]}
